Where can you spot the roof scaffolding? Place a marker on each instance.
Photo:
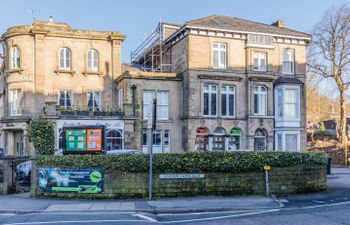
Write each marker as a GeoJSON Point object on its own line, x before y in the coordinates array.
{"type": "Point", "coordinates": [149, 55]}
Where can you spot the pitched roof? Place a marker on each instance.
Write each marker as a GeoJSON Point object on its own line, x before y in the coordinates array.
{"type": "Point", "coordinates": [237, 24]}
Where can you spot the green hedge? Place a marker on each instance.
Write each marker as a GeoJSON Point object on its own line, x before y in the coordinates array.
{"type": "Point", "coordinates": [186, 162]}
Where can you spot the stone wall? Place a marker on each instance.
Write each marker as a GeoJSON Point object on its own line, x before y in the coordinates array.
{"type": "Point", "coordinates": [286, 180]}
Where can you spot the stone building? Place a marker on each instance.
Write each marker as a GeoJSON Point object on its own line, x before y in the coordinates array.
{"type": "Point", "coordinates": [241, 83]}
{"type": "Point", "coordinates": [62, 73]}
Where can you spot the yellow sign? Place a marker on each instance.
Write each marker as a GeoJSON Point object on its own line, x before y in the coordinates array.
{"type": "Point", "coordinates": [266, 167]}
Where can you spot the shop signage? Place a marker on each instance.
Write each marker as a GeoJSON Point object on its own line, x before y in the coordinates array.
{"type": "Point", "coordinates": [84, 139]}
{"type": "Point", "coordinates": [182, 176]}
{"type": "Point", "coordinates": [71, 180]}
{"type": "Point", "coordinates": [235, 132]}
{"type": "Point", "coordinates": [202, 131]}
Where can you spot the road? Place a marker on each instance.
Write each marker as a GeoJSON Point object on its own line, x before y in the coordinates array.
{"type": "Point", "coordinates": [337, 213]}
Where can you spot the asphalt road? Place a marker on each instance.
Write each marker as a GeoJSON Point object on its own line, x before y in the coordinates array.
{"type": "Point", "coordinates": [327, 214]}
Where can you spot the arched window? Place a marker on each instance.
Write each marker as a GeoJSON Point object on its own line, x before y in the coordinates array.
{"type": "Point", "coordinates": [260, 140]}
{"type": "Point", "coordinates": [202, 139]}
{"type": "Point", "coordinates": [114, 140]}
{"type": "Point", "coordinates": [16, 58]}
{"type": "Point", "coordinates": [65, 59]}
{"type": "Point", "coordinates": [234, 140]}
{"type": "Point", "coordinates": [92, 55]}
{"type": "Point", "coordinates": [219, 139]}
{"type": "Point", "coordinates": [260, 100]}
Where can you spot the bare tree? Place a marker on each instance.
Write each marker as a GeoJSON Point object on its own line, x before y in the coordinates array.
{"type": "Point", "coordinates": [330, 56]}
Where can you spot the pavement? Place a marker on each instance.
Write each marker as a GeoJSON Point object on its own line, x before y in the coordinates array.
{"type": "Point", "coordinates": [338, 191]}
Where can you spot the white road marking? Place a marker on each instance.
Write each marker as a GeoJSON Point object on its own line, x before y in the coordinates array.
{"type": "Point", "coordinates": [145, 217]}
{"type": "Point", "coordinates": [223, 217]}
{"type": "Point", "coordinates": [74, 221]}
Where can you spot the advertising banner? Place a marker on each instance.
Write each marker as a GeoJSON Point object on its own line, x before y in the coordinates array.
{"type": "Point", "coordinates": [71, 180]}
{"type": "Point", "coordinates": [94, 139]}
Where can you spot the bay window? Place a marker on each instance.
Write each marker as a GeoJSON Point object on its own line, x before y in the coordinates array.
{"type": "Point", "coordinates": [287, 102]}
{"type": "Point", "coordinates": [287, 141]}
{"type": "Point", "coordinates": [219, 56]}
{"type": "Point", "coordinates": [210, 100]}
{"type": "Point", "coordinates": [227, 100]}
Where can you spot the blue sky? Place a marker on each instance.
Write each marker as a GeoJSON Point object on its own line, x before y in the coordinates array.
{"type": "Point", "coordinates": [137, 18]}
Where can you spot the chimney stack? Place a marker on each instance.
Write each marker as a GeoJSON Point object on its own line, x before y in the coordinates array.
{"type": "Point", "coordinates": [50, 19]}
{"type": "Point", "coordinates": [279, 23]}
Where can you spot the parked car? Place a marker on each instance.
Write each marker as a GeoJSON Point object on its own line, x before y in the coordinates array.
{"type": "Point", "coordinates": [123, 152]}
{"type": "Point", "coordinates": [2, 153]}
{"type": "Point", "coordinates": [23, 170]}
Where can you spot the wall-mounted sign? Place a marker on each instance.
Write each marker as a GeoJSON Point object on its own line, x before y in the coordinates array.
{"type": "Point", "coordinates": [181, 176]}
{"type": "Point", "coordinates": [71, 180]}
{"type": "Point", "coordinates": [235, 132]}
{"type": "Point", "coordinates": [202, 131]}
{"type": "Point", "coordinates": [84, 139]}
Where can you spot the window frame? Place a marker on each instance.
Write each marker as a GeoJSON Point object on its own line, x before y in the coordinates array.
{"type": "Point", "coordinates": [261, 95]}
{"type": "Point", "coordinates": [209, 92]}
{"type": "Point", "coordinates": [219, 49]}
{"type": "Point", "coordinates": [15, 57]}
{"type": "Point", "coordinates": [65, 98]}
{"type": "Point", "coordinates": [260, 137]}
{"type": "Point", "coordinates": [93, 100]}
{"type": "Point", "coordinates": [227, 100]}
{"type": "Point", "coordinates": [259, 57]}
{"type": "Point", "coordinates": [65, 66]}
{"type": "Point", "coordinates": [292, 62]}
{"type": "Point", "coordinates": [95, 58]}
{"type": "Point", "coordinates": [15, 111]}
{"type": "Point", "coordinates": [161, 105]}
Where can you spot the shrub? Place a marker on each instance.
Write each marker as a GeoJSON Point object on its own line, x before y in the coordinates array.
{"type": "Point", "coordinates": [41, 134]}
{"type": "Point", "coordinates": [186, 162]}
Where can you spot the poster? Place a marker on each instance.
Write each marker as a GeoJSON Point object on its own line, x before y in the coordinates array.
{"type": "Point", "coordinates": [71, 180]}
{"type": "Point", "coordinates": [76, 139]}
{"type": "Point", "coordinates": [94, 139]}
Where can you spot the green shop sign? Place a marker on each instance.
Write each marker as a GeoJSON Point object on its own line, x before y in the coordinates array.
{"type": "Point", "coordinates": [235, 132]}
{"type": "Point", "coordinates": [88, 181]}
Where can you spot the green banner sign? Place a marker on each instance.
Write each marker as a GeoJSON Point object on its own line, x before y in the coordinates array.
{"type": "Point", "coordinates": [76, 140]}
{"type": "Point", "coordinates": [71, 180]}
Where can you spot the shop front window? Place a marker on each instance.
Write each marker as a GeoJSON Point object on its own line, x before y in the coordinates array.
{"type": "Point", "coordinates": [234, 140]}
{"type": "Point", "coordinates": [202, 139]}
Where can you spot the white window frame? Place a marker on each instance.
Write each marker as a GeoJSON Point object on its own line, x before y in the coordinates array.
{"type": "Point", "coordinates": [262, 97]}
{"type": "Point", "coordinates": [94, 93]}
{"type": "Point", "coordinates": [65, 61]}
{"type": "Point", "coordinates": [291, 61]}
{"type": "Point", "coordinates": [225, 90]}
{"type": "Point", "coordinates": [219, 48]}
{"type": "Point", "coordinates": [210, 92]}
{"type": "Point", "coordinates": [15, 102]}
{"type": "Point", "coordinates": [15, 57]}
{"type": "Point", "coordinates": [282, 89]}
{"type": "Point", "coordinates": [261, 136]}
{"type": "Point", "coordinates": [65, 98]}
{"type": "Point", "coordinates": [93, 60]}
{"type": "Point", "coordinates": [283, 135]}
{"type": "Point", "coordinates": [162, 106]}
{"type": "Point", "coordinates": [146, 102]}
{"type": "Point", "coordinates": [259, 56]}
{"type": "Point", "coordinates": [120, 98]}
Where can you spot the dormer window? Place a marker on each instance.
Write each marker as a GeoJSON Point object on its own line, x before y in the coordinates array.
{"type": "Point", "coordinates": [65, 59]}
{"type": "Point", "coordinates": [92, 55]}
{"type": "Point", "coordinates": [16, 58]}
